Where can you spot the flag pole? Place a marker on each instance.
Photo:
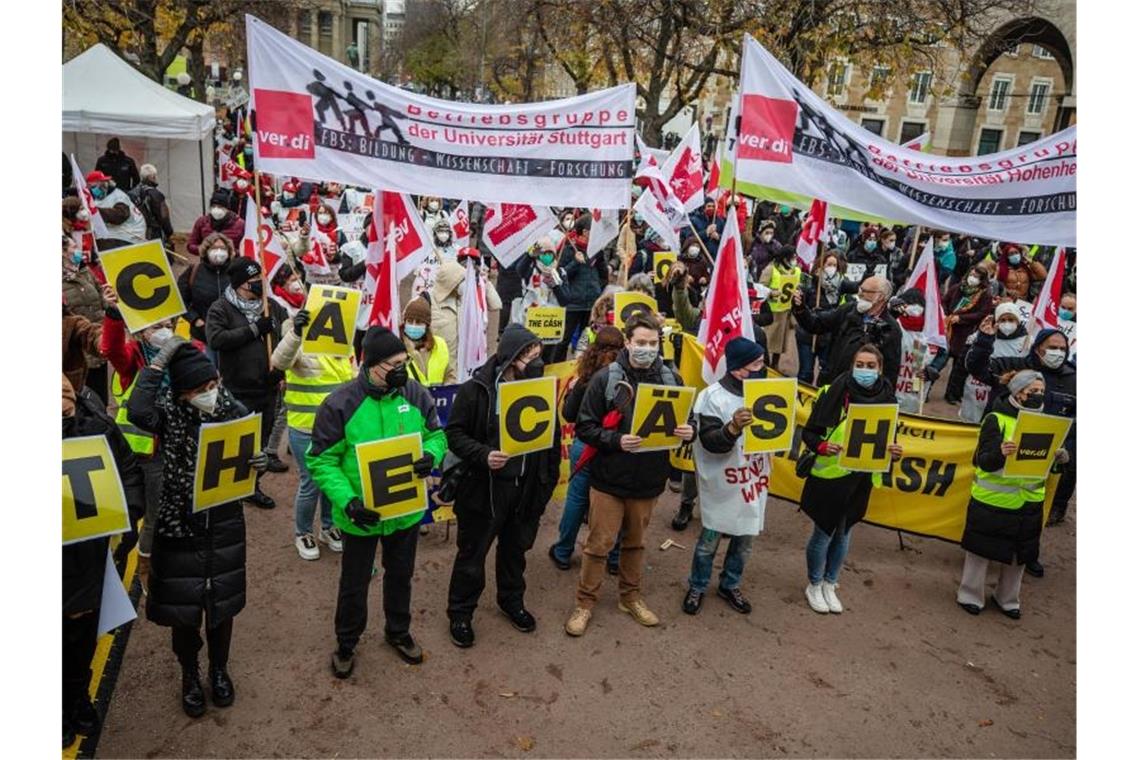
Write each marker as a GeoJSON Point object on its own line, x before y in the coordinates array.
{"type": "Point", "coordinates": [914, 246]}
{"type": "Point", "coordinates": [261, 258]}
{"type": "Point", "coordinates": [818, 291]}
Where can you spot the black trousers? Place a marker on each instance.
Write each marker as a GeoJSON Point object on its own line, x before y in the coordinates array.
{"type": "Point", "coordinates": [574, 321]}
{"type": "Point", "coordinates": [957, 382]}
{"type": "Point", "coordinates": [187, 642]}
{"type": "Point", "coordinates": [98, 380]}
{"type": "Point", "coordinates": [476, 532]}
{"type": "Point", "coordinates": [398, 556]}
{"type": "Point", "coordinates": [79, 638]}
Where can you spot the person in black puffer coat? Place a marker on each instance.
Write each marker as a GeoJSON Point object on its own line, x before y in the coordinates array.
{"type": "Point", "coordinates": [204, 282]}
{"type": "Point", "coordinates": [84, 562]}
{"type": "Point", "coordinates": [582, 286]}
{"type": "Point", "coordinates": [197, 565]}
{"type": "Point", "coordinates": [237, 331]}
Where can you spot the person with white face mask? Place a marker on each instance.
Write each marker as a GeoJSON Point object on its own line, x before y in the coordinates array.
{"type": "Point", "coordinates": [433, 212]}
{"type": "Point", "coordinates": [966, 304]}
{"type": "Point", "coordinates": [218, 218]}
{"type": "Point", "coordinates": [1049, 355]}
{"type": "Point", "coordinates": [204, 282]}
{"type": "Point", "coordinates": [1002, 335]}
{"type": "Point", "coordinates": [764, 248]}
{"type": "Point", "coordinates": [922, 360]}
{"type": "Point", "coordinates": [833, 290]}
{"type": "Point", "coordinates": [192, 550]}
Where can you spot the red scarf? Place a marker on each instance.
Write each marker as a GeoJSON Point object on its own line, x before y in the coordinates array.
{"type": "Point", "coordinates": [914, 324]}
{"type": "Point", "coordinates": [296, 300]}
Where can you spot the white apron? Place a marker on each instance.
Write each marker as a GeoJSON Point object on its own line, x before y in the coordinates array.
{"type": "Point", "coordinates": [910, 386]}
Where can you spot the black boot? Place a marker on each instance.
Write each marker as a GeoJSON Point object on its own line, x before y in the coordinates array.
{"type": "Point", "coordinates": [84, 717]}
{"type": "Point", "coordinates": [68, 732]}
{"type": "Point", "coordinates": [261, 500]}
{"type": "Point", "coordinates": [684, 514]}
{"type": "Point", "coordinates": [221, 687]}
{"type": "Point", "coordinates": [193, 699]}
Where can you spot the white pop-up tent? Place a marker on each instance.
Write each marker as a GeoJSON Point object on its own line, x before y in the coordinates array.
{"type": "Point", "coordinates": [105, 97]}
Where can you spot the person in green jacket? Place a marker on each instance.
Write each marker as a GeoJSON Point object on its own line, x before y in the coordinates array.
{"type": "Point", "coordinates": [381, 403]}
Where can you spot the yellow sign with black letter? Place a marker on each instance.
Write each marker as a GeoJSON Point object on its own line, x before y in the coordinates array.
{"type": "Point", "coordinates": [662, 262]}
{"type": "Point", "coordinates": [223, 473]}
{"type": "Point", "coordinates": [332, 320]}
{"type": "Point", "coordinates": [772, 402]}
{"type": "Point", "coordinates": [94, 503]}
{"type": "Point", "coordinates": [1038, 436]}
{"type": "Point", "coordinates": [389, 485]}
{"type": "Point", "coordinates": [657, 411]}
{"type": "Point", "coordinates": [142, 280]}
{"type": "Point", "coordinates": [546, 322]}
{"type": "Point", "coordinates": [869, 430]}
{"type": "Point", "coordinates": [528, 417]}
{"type": "Point", "coordinates": [629, 302]}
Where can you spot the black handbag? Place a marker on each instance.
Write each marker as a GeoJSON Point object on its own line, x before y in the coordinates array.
{"type": "Point", "coordinates": [805, 463]}
{"type": "Point", "coordinates": [450, 478]}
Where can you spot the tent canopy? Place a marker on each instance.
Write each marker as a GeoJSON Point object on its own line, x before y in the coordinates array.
{"type": "Point", "coordinates": [102, 93]}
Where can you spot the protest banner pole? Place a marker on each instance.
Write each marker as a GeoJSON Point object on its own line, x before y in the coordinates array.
{"type": "Point", "coordinates": [623, 276]}
{"type": "Point", "coordinates": [261, 258]}
{"type": "Point", "coordinates": [818, 290]}
{"type": "Point", "coordinates": [914, 246]}
{"type": "Point", "coordinates": [701, 242]}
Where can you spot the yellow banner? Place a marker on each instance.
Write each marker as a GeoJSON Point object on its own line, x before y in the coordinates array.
{"type": "Point", "coordinates": [389, 485]}
{"type": "Point", "coordinates": [773, 405]}
{"type": "Point", "coordinates": [547, 322]}
{"type": "Point", "coordinates": [223, 473]}
{"type": "Point", "coordinates": [629, 302]}
{"type": "Point", "coordinates": [870, 429]}
{"type": "Point", "coordinates": [682, 457]}
{"type": "Point", "coordinates": [332, 320]}
{"type": "Point", "coordinates": [657, 410]}
{"type": "Point", "coordinates": [563, 373]}
{"type": "Point", "coordinates": [144, 283]}
{"type": "Point", "coordinates": [662, 263]}
{"type": "Point", "coordinates": [527, 415]}
{"type": "Point", "coordinates": [94, 504]}
{"type": "Point", "coordinates": [1038, 436]}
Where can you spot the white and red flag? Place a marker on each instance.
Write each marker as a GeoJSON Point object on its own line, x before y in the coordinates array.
{"type": "Point", "coordinates": [509, 229]}
{"type": "Point", "coordinates": [649, 176]}
{"type": "Point", "coordinates": [727, 314]}
{"type": "Point", "coordinates": [274, 254]}
{"type": "Point", "coordinates": [412, 240]}
{"type": "Point", "coordinates": [815, 224]}
{"type": "Point", "coordinates": [684, 172]}
{"type": "Point", "coordinates": [98, 226]}
{"type": "Point", "coordinates": [472, 350]}
{"type": "Point", "coordinates": [604, 227]}
{"type": "Point", "coordinates": [460, 225]}
{"type": "Point", "coordinates": [925, 278]}
{"type": "Point", "coordinates": [713, 187]}
{"type": "Point", "coordinates": [1049, 299]}
{"type": "Point", "coordinates": [650, 210]}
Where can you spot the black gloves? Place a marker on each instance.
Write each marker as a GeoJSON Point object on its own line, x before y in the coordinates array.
{"type": "Point", "coordinates": [930, 373]}
{"type": "Point", "coordinates": [422, 466]}
{"type": "Point", "coordinates": [265, 325]}
{"type": "Point", "coordinates": [300, 319]}
{"type": "Point", "coordinates": [360, 517]}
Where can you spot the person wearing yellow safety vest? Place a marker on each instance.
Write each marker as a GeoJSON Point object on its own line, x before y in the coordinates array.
{"type": "Point", "coordinates": [429, 359]}
{"type": "Point", "coordinates": [782, 278]}
{"type": "Point", "coordinates": [834, 497]}
{"type": "Point", "coordinates": [1003, 519]}
{"type": "Point", "coordinates": [308, 381]}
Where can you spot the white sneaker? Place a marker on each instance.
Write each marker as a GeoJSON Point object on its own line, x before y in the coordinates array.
{"type": "Point", "coordinates": [332, 539]}
{"type": "Point", "coordinates": [833, 603]}
{"type": "Point", "coordinates": [814, 594]}
{"type": "Point", "coordinates": [307, 547]}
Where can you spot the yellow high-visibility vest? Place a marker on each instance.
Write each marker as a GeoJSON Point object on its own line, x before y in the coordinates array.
{"type": "Point", "coordinates": [993, 488]}
{"type": "Point", "coordinates": [142, 442]}
{"type": "Point", "coordinates": [303, 395]}
{"type": "Point", "coordinates": [436, 365]}
{"type": "Point", "coordinates": [783, 286]}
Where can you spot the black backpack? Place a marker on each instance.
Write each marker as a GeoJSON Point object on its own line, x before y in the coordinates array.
{"type": "Point", "coordinates": [140, 196]}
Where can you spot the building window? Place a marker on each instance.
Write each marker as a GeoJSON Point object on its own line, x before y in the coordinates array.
{"type": "Point", "coordinates": [1024, 138]}
{"type": "Point", "coordinates": [874, 125]}
{"type": "Point", "coordinates": [837, 79]}
{"type": "Point", "coordinates": [920, 87]}
{"type": "Point", "coordinates": [911, 130]}
{"type": "Point", "coordinates": [305, 26]}
{"type": "Point", "coordinates": [325, 32]}
{"type": "Point", "coordinates": [1038, 92]}
{"type": "Point", "coordinates": [1040, 52]}
{"type": "Point", "coordinates": [989, 141]}
{"type": "Point", "coordinates": [360, 32]}
{"type": "Point", "coordinates": [880, 75]}
{"type": "Point", "coordinates": [999, 93]}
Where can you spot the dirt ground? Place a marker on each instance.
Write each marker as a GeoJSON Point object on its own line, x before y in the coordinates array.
{"type": "Point", "coordinates": [903, 672]}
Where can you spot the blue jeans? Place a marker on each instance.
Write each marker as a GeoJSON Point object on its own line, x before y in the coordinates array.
{"type": "Point", "coordinates": [307, 492]}
{"type": "Point", "coordinates": [576, 508]}
{"type": "Point", "coordinates": [825, 554]}
{"type": "Point", "coordinates": [739, 548]}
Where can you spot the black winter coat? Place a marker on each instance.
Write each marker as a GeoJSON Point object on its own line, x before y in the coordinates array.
{"type": "Point", "coordinates": [84, 562]}
{"type": "Point", "coordinates": [1002, 535]}
{"type": "Point", "coordinates": [626, 475]}
{"type": "Point", "coordinates": [582, 287]}
{"type": "Point", "coordinates": [200, 286]}
{"type": "Point", "coordinates": [849, 330]}
{"type": "Point", "coordinates": [243, 359]}
{"type": "Point", "coordinates": [1060, 389]}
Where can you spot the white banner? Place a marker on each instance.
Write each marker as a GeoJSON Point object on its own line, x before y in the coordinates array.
{"type": "Point", "coordinates": [316, 117]}
{"type": "Point", "coordinates": [604, 228]}
{"type": "Point", "coordinates": [790, 139]}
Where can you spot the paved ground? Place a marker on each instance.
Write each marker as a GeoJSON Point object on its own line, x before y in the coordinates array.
{"type": "Point", "coordinates": [903, 672]}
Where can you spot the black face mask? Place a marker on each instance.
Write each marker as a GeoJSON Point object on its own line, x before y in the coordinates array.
{"type": "Point", "coordinates": [255, 287]}
{"type": "Point", "coordinates": [758, 374]}
{"type": "Point", "coordinates": [397, 378]}
{"type": "Point", "coordinates": [1034, 401]}
{"type": "Point", "coordinates": [533, 368]}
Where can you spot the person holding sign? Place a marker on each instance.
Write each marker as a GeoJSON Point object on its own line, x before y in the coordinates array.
{"type": "Point", "coordinates": [834, 497]}
{"type": "Point", "coordinates": [833, 290]}
{"type": "Point", "coordinates": [733, 485]}
{"type": "Point", "coordinates": [624, 484]}
{"type": "Point", "coordinates": [381, 403]}
{"type": "Point", "coordinates": [239, 332]}
{"type": "Point", "coordinates": [197, 565]}
{"type": "Point", "coordinates": [429, 357]}
{"type": "Point", "coordinates": [500, 497]}
{"type": "Point", "coordinates": [782, 277]}
{"type": "Point", "coordinates": [309, 380]}
{"type": "Point", "coordinates": [85, 561]}
{"type": "Point", "coordinates": [582, 286]}
{"type": "Point", "coordinates": [1003, 519]}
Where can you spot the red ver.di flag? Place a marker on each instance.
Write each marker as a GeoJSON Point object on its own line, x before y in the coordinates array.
{"type": "Point", "coordinates": [727, 314]}
{"type": "Point", "coordinates": [509, 229]}
{"type": "Point", "coordinates": [684, 171]}
{"type": "Point", "coordinates": [814, 226]}
{"type": "Point", "coordinates": [315, 117]}
{"type": "Point", "coordinates": [460, 225]}
{"type": "Point", "coordinates": [412, 240]}
{"type": "Point", "coordinates": [271, 249]}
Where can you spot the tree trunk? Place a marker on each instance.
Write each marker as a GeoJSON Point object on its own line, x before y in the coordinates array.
{"type": "Point", "coordinates": [196, 68]}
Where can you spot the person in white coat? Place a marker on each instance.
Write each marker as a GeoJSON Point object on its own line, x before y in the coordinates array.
{"type": "Point", "coordinates": [733, 486]}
